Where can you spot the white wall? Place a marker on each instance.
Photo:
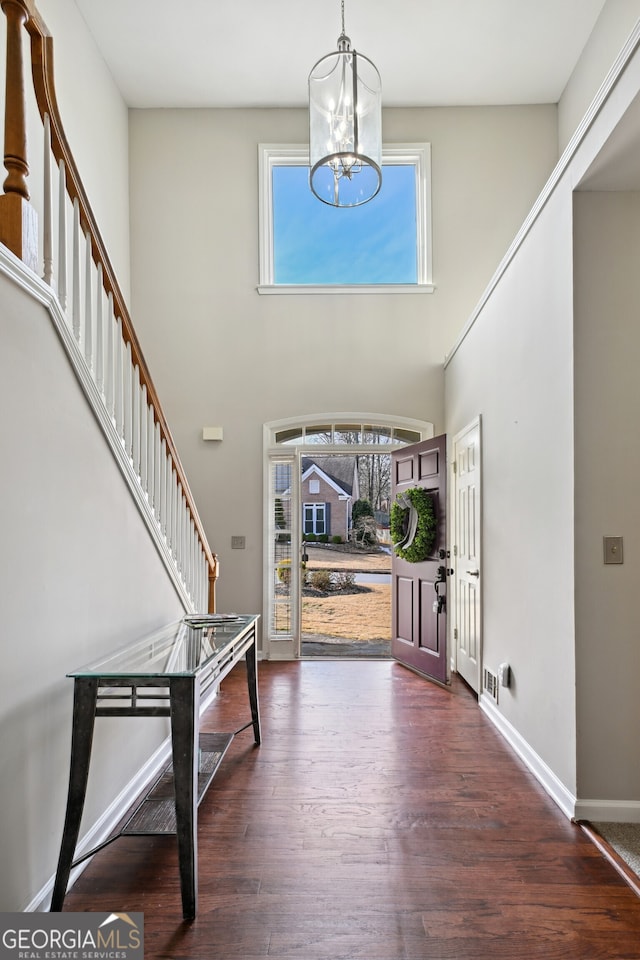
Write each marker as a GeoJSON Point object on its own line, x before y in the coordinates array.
{"type": "Point", "coordinates": [545, 610]}
{"type": "Point", "coordinates": [79, 576]}
{"type": "Point", "coordinates": [223, 355]}
{"type": "Point", "coordinates": [514, 368]}
{"type": "Point", "coordinates": [609, 35]}
{"type": "Point", "coordinates": [607, 466]}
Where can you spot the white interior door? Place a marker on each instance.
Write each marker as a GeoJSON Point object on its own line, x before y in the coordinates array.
{"type": "Point", "coordinates": [466, 559]}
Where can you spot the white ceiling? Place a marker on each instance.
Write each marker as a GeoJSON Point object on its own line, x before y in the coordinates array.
{"type": "Point", "coordinates": [258, 53]}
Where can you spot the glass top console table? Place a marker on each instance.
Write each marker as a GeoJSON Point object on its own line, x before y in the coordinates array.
{"type": "Point", "coordinates": [161, 675]}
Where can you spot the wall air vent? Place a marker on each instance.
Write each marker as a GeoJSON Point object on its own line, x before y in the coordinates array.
{"type": "Point", "coordinates": [491, 684]}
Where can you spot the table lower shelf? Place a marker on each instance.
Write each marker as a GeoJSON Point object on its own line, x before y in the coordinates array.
{"type": "Point", "coordinates": [157, 814]}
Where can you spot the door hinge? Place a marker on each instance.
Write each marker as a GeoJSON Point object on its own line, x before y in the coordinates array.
{"type": "Point", "coordinates": [455, 633]}
{"type": "Point", "coordinates": [455, 466]}
{"type": "Point", "coordinates": [455, 550]}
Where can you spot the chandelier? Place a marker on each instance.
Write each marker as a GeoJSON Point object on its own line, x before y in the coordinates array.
{"type": "Point", "coordinates": [345, 127]}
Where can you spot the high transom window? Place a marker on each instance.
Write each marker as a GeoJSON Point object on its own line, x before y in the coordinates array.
{"type": "Point", "coordinates": [308, 246]}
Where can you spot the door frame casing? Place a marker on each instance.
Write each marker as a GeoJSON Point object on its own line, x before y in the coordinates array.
{"type": "Point", "coordinates": [454, 520]}
{"type": "Point", "coordinates": [287, 648]}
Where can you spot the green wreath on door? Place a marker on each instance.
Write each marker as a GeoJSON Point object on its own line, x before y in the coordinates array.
{"type": "Point", "coordinates": [413, 524]}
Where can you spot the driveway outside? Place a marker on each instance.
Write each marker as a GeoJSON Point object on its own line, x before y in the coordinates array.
{"type": "Point", "coordinates": [342, 559]}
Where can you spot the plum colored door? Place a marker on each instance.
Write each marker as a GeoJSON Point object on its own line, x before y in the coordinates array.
{"type": "Point", "coordinates": [418, 595]}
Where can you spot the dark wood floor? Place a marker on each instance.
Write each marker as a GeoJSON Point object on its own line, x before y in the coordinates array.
{"type": "Point", "coordinates": [382, 818]}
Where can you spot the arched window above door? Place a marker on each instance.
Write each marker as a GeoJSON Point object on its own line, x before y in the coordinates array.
{"type": "Point", "coordinates": [359, 430]}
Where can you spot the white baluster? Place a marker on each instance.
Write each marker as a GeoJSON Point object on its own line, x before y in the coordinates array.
{"type": "Point", "coordinates": [100, 330]}
{"type": "Point", "coordinates": [174, 514]}
{"type": "Point", "coordinates": [127, 398]}
{"type": "Point", "coordinates": [47, 225]}
{"type": "Point", "coordinates": [204, 589]}
{"type": "Point", "coordinates": [88, 304]}
{"type": "Point", "coordinates": [135, 440]}
{"type": "Point", "coordinates": [144, 455]}
{"type": "Point", "coordinates": [199, 591]}
{"type": "Point", "coordinates": [179, 516]}
{"type": "Point", "coordinates": [196, 570]}
{"type": "Point", "coordinates": [187, 556]}
{"type": "Point", "coordinates": [184, 564]}
{"type": "Point", "coordinates": [157, 465]}
{"type": "Point", "coordinates": [118, 404]}
{"type": "Point", "coordinates": [203, 580]}
{"type": "Point", "coordinates": [163, 487]}
{"type": "Point", "coordinates": [150, 453]}
{"type": "Point", "coordinates": [75, 271]}
{"type": "Point", "coordinates": [176, 539]}
{"type": "Point", "coordinates": [169, 499]}
{"type": "Point", "coordinates": [62, 237]}
{"type": "Point", "coordinates": [192, 562]}
{"type": "Point", "coordinates": [110, 367]}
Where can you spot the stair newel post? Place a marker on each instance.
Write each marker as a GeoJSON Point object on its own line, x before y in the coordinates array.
{"type": "Point", "coordinates": [214, 573]}
{"type": "Point", "coordinates": [18, 219]}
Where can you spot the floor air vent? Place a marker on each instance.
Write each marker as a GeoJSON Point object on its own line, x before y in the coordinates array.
{"type": "Point", "coordinates": [491, 684]}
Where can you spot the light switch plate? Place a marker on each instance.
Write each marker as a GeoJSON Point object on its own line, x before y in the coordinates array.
{"type": "Point", "coordinates": [613, 550]}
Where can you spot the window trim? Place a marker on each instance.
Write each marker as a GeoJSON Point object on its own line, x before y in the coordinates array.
{"type": "Point", "coordinates": [271, 154]}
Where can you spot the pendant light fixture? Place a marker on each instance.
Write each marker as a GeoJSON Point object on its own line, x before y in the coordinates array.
{"type": "Point", "coordinates": [345, 127]}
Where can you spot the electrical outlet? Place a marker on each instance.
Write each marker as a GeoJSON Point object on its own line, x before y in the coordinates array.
{"type": "Point", "coordinates": [238, 543]}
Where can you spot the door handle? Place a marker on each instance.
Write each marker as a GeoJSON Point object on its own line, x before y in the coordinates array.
{"type": "Point", "coordinates": [474, 573]}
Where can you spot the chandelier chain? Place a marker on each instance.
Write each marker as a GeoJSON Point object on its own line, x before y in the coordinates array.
{"type": "Point", "coordinates": [342, 8]}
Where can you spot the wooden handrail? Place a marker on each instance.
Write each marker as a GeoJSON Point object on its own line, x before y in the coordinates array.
{"type": "Point", "coordinates": [24, 12]}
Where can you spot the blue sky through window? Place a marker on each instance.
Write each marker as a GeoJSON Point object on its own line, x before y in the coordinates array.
{"type": "Point", "coordinates": [314, 243]}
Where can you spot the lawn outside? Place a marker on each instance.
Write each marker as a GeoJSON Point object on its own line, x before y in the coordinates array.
{"type": "Point", "coordinates": [364, 616]}
{"type": "Point", "coordinates": [351, 616]}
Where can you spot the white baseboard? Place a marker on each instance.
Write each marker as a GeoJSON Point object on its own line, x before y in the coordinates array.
{"type": "Point", "coordinates": [543, 774]}
{"type": "Point", "coordinates": [608, 811]}
{"type": "Point", "coordinates": [106, 824]}
{"type": "Point", "coordinates": [615, 811]}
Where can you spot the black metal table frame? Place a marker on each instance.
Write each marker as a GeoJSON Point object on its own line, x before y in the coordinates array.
{"type": "Point", "coordinates": [183, 708]}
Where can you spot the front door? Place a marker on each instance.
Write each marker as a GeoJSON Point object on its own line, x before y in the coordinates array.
{"type": "Point", "coordinates": [466, 561]}
{"type": "Point", "coordinates": [418, 595]}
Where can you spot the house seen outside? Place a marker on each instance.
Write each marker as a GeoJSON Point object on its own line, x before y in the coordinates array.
{"type": "Point", "coordinates": [346, 555]}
